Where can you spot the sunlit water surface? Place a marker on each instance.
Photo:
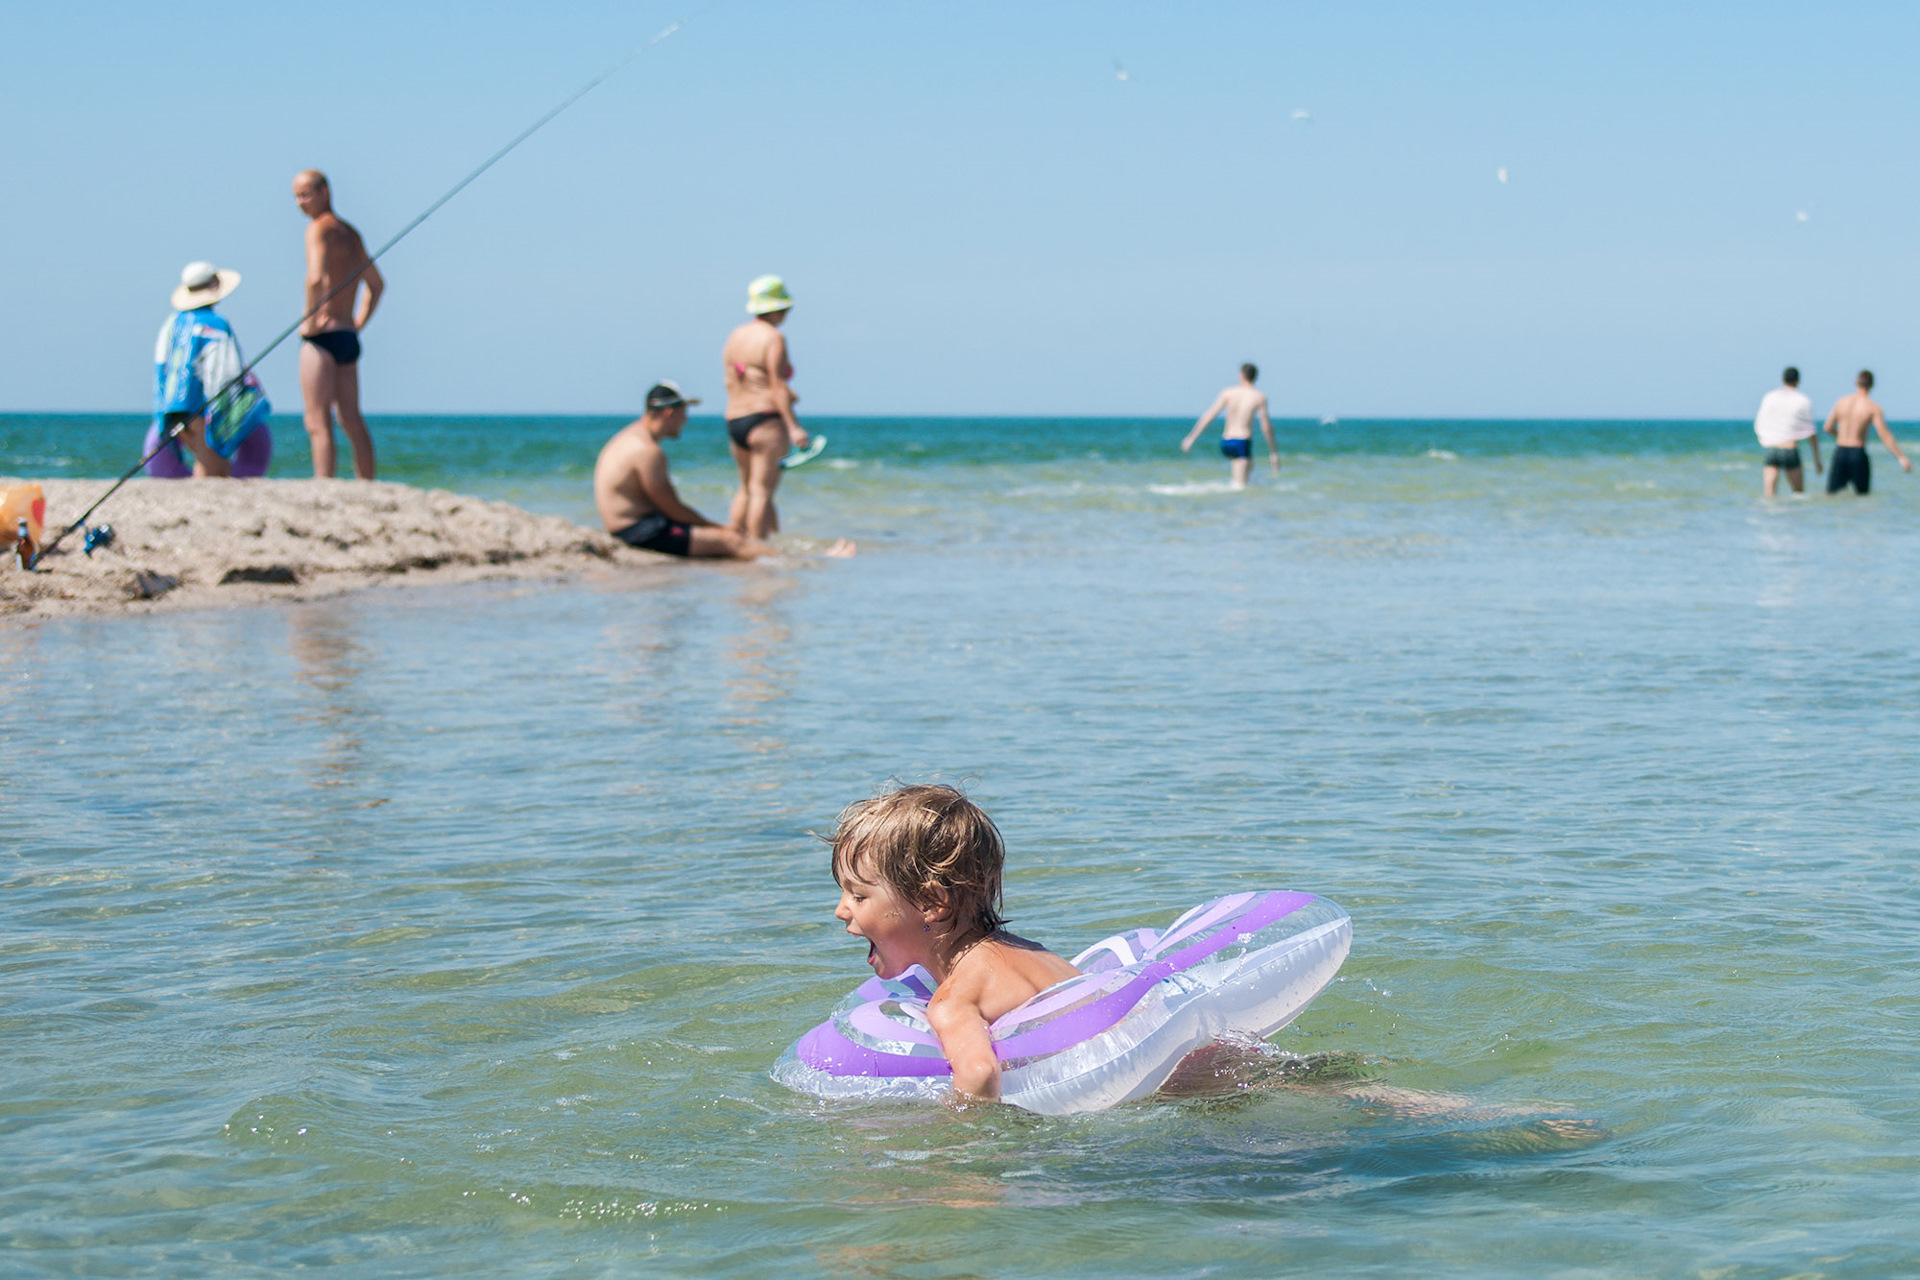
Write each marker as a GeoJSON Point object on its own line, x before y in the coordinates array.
{"type": "Point", "coordinates": [456, 929]}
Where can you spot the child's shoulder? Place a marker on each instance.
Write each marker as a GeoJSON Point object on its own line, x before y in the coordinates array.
{"type": "Point", "coordinates": [1000, 973]}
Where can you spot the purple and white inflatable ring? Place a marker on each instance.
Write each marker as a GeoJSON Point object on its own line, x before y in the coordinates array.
{"type": "Point", "coordinates": [1244, 964]}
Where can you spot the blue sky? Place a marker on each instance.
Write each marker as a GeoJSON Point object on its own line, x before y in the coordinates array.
{"type": "Point", "coordinates": [977, 214]}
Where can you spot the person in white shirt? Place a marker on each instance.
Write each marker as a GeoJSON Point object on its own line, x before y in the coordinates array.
{"type": "Point", "coordinates": [1784, 420]}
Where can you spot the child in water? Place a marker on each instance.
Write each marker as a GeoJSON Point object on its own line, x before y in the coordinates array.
{"type": "Point", "coordinates": [919, 876]}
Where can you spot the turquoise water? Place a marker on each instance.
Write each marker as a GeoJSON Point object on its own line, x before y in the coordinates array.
{"type": "Point", "coordinates": [442, 929]}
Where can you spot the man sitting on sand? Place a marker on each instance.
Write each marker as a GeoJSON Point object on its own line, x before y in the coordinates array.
{"type": "Point", "coordinates": [1784, 420]}
{"type": "Point", "coordinates": [1848, 424]}
{"type": "Point", "coordinates": [637, 501]}
{"type": "Point", "coordinates": [1239, 403]}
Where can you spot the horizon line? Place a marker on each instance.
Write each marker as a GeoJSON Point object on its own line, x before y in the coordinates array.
{"type": "Point", "coordinates": [1310, 419]}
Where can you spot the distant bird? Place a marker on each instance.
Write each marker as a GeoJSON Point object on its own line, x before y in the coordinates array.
{"type": "Point", "coordinates": [1119, 72]}
{"type": "Point", "coordinates": [1500, 174]}
{"type": "Point", "coordinates": [1303, 115]}
{"type": "Point", "coordinates": [1800, 216]}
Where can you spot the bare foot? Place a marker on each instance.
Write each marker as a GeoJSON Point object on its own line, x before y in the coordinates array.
{"type": "Point", "coordinates": [844, 549]}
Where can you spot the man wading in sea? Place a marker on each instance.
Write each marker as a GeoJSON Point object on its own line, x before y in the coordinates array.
{"type": "Point", "coordinates": [1848, 424]}
{"type": "Point", "coordinates": [1240, 403]}
{"type": "Point", "coordinates": [1784, 420]}
{"type": "Point", "coordinates": [330, 338]}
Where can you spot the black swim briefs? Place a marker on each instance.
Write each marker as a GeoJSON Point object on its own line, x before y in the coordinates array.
{"type": "Point", "coordinates": [1850, 465]}
{"type": "Point", "coordinates": [1785, 459]}
{"type": "Point", "coordinates": [738, 429]}
{"type": "Point", "coordinates": [656, 533]}
{"type": "Point", "coordinates": [342, 344]}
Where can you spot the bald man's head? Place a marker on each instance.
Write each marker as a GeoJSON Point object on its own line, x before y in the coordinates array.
{"type": "Point", "coordinates": [311, 193]}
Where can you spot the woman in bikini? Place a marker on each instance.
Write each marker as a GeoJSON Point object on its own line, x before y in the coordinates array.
{"type": "Point", "coordinates": [761, 427]}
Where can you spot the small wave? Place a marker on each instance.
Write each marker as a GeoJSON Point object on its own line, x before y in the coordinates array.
{"type": "Point", "coordinates": [1191, 488]}
{"type": "Point", "coordinates": [1445, 455]}
{"type": "Point", "coordinates": [842, 464]}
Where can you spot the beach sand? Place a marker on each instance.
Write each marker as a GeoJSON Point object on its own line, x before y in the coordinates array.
{"type": "Point", "coordinates": [212, 543]}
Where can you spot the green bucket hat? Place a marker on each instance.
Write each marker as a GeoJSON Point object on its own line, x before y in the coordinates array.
{"type": "Point", "coordinates": [768, 293]}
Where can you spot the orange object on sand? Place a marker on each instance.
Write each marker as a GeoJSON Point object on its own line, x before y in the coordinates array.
{"type": "Point", "coordinates": [18, 502]}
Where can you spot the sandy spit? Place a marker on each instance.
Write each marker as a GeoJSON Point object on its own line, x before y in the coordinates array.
{"type": "Point", "coordinates": [214, 543]}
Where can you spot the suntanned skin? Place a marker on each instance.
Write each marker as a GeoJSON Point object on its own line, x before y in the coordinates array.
{"type": "Point", "coordinates": [630, 481]}
{"type": "Point", "coordinates": [756, 371]}
{"type": "Point", "coordinates": [334, 251]}
{"type": "Point", "coordinates": [1848, 423]}
{"type": "Point", "coordinates": [982, 976]}
{"type": "Point", "coordinates": [206, 461]}
{"type": "Point", "coordinates": [1240, 403]}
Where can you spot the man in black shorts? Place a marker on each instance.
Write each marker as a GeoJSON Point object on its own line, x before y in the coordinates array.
{"type": "Point", "coordinates": [637, 501]}
{"type": "Point", "coordinates": [1847, 424]}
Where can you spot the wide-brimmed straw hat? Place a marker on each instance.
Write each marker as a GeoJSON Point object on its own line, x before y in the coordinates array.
{"type": "Point", "coordinates": [767, 294]}
{"type": "Point", "coordinates": [202, 284]}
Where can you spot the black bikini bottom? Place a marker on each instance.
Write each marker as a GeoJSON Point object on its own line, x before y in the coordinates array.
{"type": "Point", "coordinates": [738, 429]}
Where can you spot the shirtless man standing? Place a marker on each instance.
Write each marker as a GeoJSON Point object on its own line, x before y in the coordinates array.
{"type": "Point", "coordinates": [330, 335]}
{"type": "Point", "coordinates": [1240, 403]}
{"type": "Point", "coordinates": [1848, 424]}
{"type": "Point", "coordinates": [637, 501]}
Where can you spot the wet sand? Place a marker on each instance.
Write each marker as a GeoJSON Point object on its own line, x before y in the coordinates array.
{"type": "Point", "coordinates": [213, 543]}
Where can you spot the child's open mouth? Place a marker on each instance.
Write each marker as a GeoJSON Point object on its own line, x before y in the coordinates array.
{"type": "Point", "coordinates": [873, 956]}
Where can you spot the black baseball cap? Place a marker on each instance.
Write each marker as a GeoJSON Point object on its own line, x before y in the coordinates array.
{"type": "Point", "coordinates": [665, 395]}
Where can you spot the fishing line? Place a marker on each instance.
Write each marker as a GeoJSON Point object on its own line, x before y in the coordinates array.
{"type": "Point", "coordinates": [173, 433]}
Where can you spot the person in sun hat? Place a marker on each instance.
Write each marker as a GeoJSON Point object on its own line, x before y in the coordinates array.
{"type": "Point", "coordinates": [198, 387]}
{"type": "Point", "coordinates": [761, 428]}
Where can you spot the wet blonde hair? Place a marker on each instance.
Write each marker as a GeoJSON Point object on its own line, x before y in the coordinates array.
{"type": "Point", "coordinates": [923, 840]}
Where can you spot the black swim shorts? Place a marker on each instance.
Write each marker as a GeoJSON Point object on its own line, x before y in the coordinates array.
{"type": "Point", "coordinates": [1785, 459]}
{"type": "Point", "coordinates": [656, 533]}
{"type": "Point", "coordinates": [1242, 448]}
{"type": "Point", "coordinates": [1850, 466]}
{"type": "Point", "coordinates": [342, 344]}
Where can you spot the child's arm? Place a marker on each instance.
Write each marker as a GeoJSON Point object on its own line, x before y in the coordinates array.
{"type": "Point", "coordinates": [968, 1046]}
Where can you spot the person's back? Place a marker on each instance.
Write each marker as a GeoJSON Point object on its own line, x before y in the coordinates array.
{"type": "Point", "coordinates": [1852, 416]}
{"type": "Point", "coordinates": [1240, 403]}
{"type": "Point", "coordinates": [746, 360]}
{"type": "Point", "coordinates": [619, 491]}
{"type": "Point", "coordinates": [1851, 419]}
{"type": "Point", "coordinates": [1784, 420]}
{"type": "Point", "coordinates": [999, 974]}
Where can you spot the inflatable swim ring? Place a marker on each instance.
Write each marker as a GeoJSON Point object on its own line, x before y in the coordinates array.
{"type": "Point", "coordinates": [1245, 963]}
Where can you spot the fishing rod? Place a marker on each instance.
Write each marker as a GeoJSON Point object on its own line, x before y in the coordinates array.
{"type": "Point", "coordinates": [173, 433]}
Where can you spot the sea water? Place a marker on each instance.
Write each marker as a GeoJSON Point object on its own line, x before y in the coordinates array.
{"type": "Point", "coordinates": [455, 929]}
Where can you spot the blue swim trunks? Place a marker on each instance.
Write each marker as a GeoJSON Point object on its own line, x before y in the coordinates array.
{"type": "Point", "coordinates": [1237, 448]}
